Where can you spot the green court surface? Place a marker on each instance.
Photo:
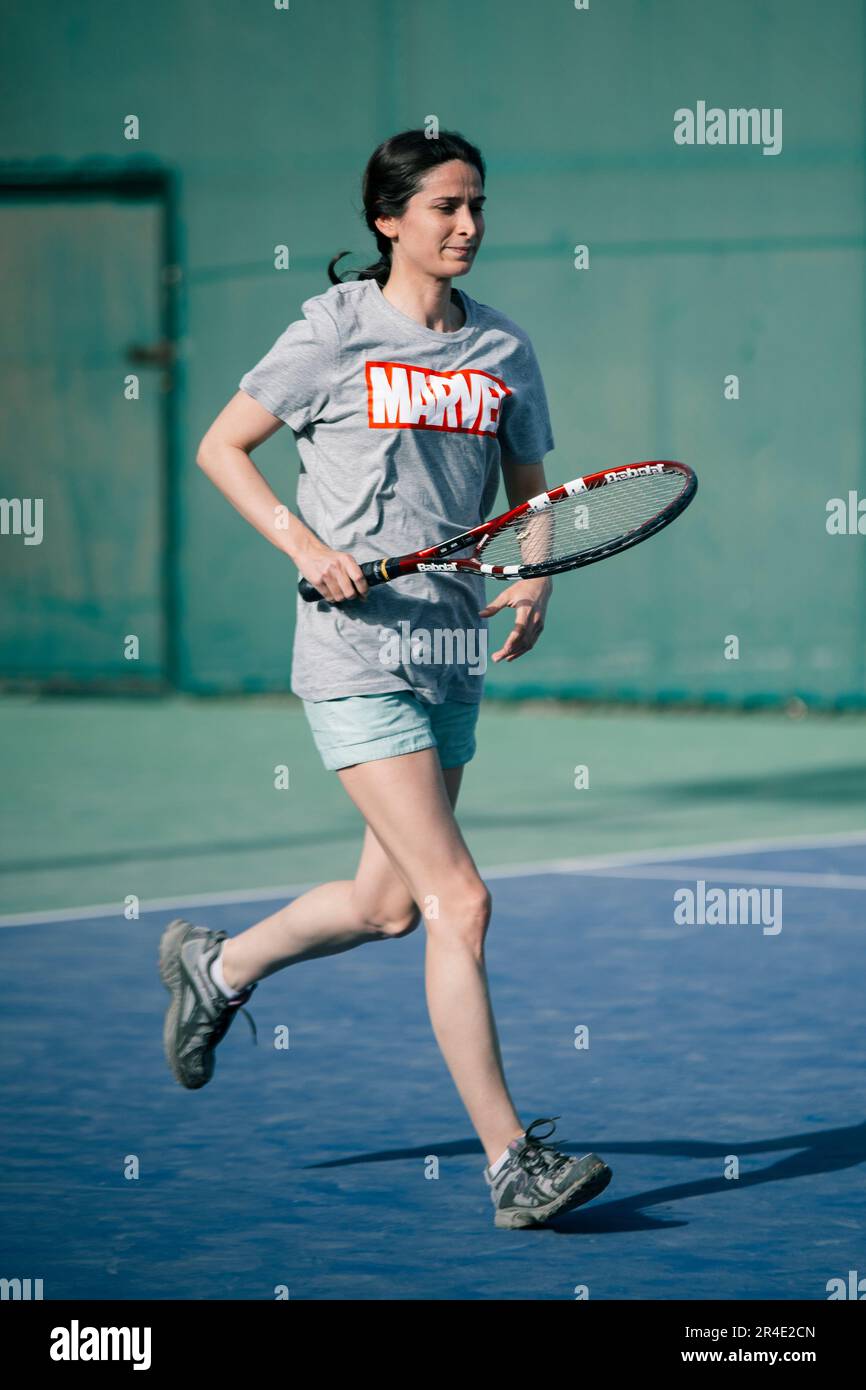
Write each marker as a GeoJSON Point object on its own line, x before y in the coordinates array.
{"type": "Point", "coordinates": [174, 798]}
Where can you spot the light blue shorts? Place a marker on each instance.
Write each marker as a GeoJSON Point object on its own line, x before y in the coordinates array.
{"type": "Point", "coordinates": [361, 728]}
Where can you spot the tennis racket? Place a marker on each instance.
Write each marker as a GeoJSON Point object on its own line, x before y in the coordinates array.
{"type": "Point", "coordinates": [573, 525]}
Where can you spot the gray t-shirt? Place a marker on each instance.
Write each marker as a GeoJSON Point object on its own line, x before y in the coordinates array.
{"type": "Point", "coordinates": [400, 430]}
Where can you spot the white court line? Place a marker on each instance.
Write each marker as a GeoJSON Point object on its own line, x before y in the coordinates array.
{"type": "Point", "coordinates": [678, 856]}
{"type": "Point", "coordinates": [587, 864]}
{"type": "Point", "coordinates": [687, 872]}
{"type": "Point", "coordinates": [77, 914]}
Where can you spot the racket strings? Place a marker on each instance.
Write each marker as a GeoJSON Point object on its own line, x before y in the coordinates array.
{"type": "Point", "coordinates": [574, 525]}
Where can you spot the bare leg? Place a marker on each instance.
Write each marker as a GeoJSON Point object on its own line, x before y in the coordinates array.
{"type": "Point", "coordinates": [405, 802]}
{"type": "Point", "coordinates": [332, 917]}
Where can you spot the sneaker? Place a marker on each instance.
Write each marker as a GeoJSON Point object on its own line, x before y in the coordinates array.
{"type": "Point", "coordinates": [536, 1182]}
{"type": "Point", "coordinates": [199, 1015]}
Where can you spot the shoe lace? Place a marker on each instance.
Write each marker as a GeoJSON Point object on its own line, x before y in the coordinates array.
{"type": "Point", "coordinates": [239, 1004]}
{"type": "Point", "coordinates": [536, 1156]}
{"type": "Point", "coordinates": [233, 1004]}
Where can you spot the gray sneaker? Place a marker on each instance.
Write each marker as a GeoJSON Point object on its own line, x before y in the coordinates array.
{"type": "Point", "coordinates": [536, 1182]}
{"type": "Point", "coordinates": [199, 1015]}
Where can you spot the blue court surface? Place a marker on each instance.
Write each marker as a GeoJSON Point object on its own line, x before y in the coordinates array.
{"type": "Point", "coordinates": [344, 1167]}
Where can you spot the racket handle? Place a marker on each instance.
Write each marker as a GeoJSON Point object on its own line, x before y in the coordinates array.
{"type": "Point", "coordinates": [371, 570]}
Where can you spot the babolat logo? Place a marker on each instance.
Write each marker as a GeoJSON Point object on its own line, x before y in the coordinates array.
{"type": "Point", "coordinates": [633, 472]}
{"type": "Point", "coordinates": [75, 1343]}
{"type": "Point", "coordinates": [404, 397]}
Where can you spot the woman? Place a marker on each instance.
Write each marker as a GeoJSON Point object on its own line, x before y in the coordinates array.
{"type": "Point", "coordinates": [406, 397]}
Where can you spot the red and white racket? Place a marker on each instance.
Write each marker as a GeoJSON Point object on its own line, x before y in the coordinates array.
{"type": "Point", "coordinates": [573, 525]}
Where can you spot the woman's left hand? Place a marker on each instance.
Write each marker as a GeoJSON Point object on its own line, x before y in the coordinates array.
{"type": "Point", "coordinates": [529, 598]}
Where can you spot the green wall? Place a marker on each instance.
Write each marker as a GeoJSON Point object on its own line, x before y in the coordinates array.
{"type": "Point", "coordinates": [705, 261]}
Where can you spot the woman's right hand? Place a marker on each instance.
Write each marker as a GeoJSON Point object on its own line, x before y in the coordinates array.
{"type": "Point", "coordinates": [333, 572]}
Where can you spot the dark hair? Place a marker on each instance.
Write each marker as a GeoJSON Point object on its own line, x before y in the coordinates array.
{"type": "Point", "coordinates": [393, 174]}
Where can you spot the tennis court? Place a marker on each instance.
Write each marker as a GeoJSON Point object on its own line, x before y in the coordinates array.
{"type": "Point", "coordinates": [342, 1165]}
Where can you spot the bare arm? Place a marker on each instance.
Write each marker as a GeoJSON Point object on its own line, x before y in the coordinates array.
{"type": "Point", "coordinates": [224, 456]}
{"type": "Point", "coordinates": [528, 597]}
{"type": "Point", "coordinates": [523, 480]}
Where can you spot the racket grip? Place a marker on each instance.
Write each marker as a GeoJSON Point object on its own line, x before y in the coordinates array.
{"type": "Point", "coordinates": [371, 570]}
